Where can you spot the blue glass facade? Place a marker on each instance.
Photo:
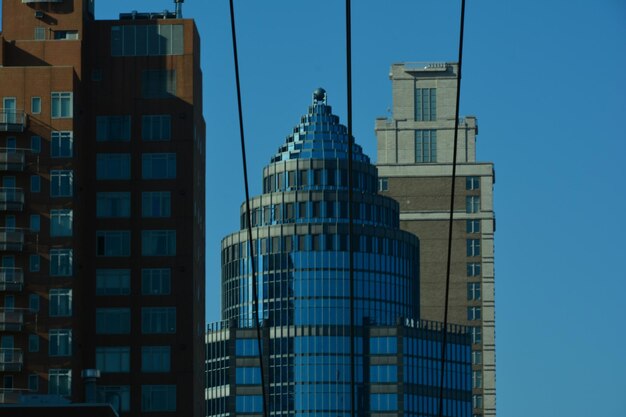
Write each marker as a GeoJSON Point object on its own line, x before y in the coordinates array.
{"type": "Point", "coordinates": [301, 249]}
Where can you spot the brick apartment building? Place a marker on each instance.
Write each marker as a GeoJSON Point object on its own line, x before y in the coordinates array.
{"type": "Point", "coordinates": [101, 207]}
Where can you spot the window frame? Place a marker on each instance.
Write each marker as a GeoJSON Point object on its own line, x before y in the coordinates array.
{"type": "Point", "coordinates": [56, 99]}
{"type": "Point", "coordinates": [61, 144]}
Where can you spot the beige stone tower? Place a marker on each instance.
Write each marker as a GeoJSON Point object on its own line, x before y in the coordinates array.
{"type": "Point", "coordinates": [415, 153]}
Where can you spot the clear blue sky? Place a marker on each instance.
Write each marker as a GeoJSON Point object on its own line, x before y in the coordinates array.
{"type": "Point", "coordinates": [546, 81]}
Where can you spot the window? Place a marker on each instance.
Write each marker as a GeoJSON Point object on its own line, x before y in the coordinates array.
{"type": "Point", "coordinates": [112, 281]}
{"type": "Point", "coordinates": [61, 222]}
{"type": "Point", "coordinates": [66, 34]}
{"type": "Point", "coordinates": [144, 40]}
{"type": "Point", "coordinates": [425, 146]}
{"type": "Point", "coordinates": [61, 183]}
{"type": "Point", "coordinates": [156, 166]}
{"type": "Point", "coordinates": [383, 346]}
{"type": "Point", "coordinates": [473, 269]}
{"type": "Point", "coordinates": [477, 401]}
{"type": "Point", "coordinates": [62, 105]}
{"type": "Point", "coordinates": [62, 145]}
{"type": "Point", "coordinates": [155, 281]}
{"type": "Point", "coordinates": [156, 204]}
{"type": "Point", "coordinates": [477, 379]}
{"type": "Point", "coordinates": [33, 382]}
{"type": "Point", "coordinates": [473, 226]}
{"type": "Point", "coordinates": [477, 334]}
{"type": "Point", "coordinates": [60, 302]}
{"type": "Point", "coordinates": [473, 247]}
{"type": "Point", "coordinates": [158, 320]}
{"type": "Point", "coordinates": [60, 381]}
{"type": "Point", "coordinates": [156, 127]}
{"type": "Point", "coordinates": [158, 398]}
{"type": "Point", "coordinates": [158, 83]}
{"type": "Point", "coordinates": [246, 347]}
{"type": "Point", "coordinates": [425, 104]}
{"type": "Point", "coordinates": [33, 343]}
{"type": "Point", "coordinates": [35, 144]}
{"type": "Point", "coordinates": [155, 359]}
{"type": "Point", "coordinates": [113, 359]}
{"type": "Point", "coordinates": [114, 395]}
{"type": "Point", "coordinates": [158, 242]}
{"type": "Point", "coordinates": [40, 34]}
{"type": "Point", "coordinates": [113, 243]}
{"type": "Point", "coordinates": [477, 357]}
{"type": "Point", "coordinates": [473, 313]}
{"type": "Point", "coordinates": [35, 222]}
{"type": "Point", "coordinates": [472, 204]}
{"type": "Point", "coordinates": [248, 375]}
{"type": "Point", "coordinates": [112, 320]}
{"type": "Point", "coordinates": [7, 382]}
{"type": "Point", "coordinates": [35, 102]}
{"type": "Point", "coordinates": [33, 303]}
{"type": "Point", "coordinates": [472, 183]}
{"type": "Point", "coordinates": [112, 128]}
{"type": "Point", "coordinates": [249, 404]}
{"type": "Point", "coordinates": [35, 184]}
{"type": "Point", "coordinates": [473, 291]}
{"type": "Point", "coordinates": [61, 262]}
{"type": "Point", "coordinates": [383, 402]}
{"type": "Point", "coordinates": [34, 263]}
{"type": "Point", "coordinates": [383, 373]}
{"type": "Point", "coordinates": [383, 184]}
{"type": "Point", "coordinates": [113, 204]}
{"type": "Point", "coordinates": [113, 166]}
{"type": "Point", "coordinates": [60, 342]}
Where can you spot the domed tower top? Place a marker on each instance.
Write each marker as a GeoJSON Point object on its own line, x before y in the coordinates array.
{"type": "Point", "coordinates": [319, 95]}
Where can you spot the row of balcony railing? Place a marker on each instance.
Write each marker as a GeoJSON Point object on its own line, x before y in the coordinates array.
{"type": "Point", "coordinates": [12, 120]}
{"type": "Point", "coordinates": [12, 159]}
{"type": "Point", "coordinates": [11, 199]}
{"type": "Point", "coordinates": [11, 320]}
{"type": "Point", "coordinates": [11, 360]}
{"type": "Point", "coordinates": [11, 279]}
{"type": "Point", "coordinates": [11, 239]}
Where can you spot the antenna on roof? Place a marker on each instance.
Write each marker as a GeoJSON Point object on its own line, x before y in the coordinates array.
{"type": "Point", "coordinates": [179, 8]}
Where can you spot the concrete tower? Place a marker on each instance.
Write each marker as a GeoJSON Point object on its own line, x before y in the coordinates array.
{"type": "Point", "coordinates": [415, 152]}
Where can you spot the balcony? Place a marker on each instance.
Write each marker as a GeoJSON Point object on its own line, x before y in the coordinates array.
{"type": "Point", "coordinates": [11, 239]}
{"type": "Point", "coordinates": [12, 160]}
{"type": "Point", "coordinates": [11, 199]}
{"type": "Point", "coordinates": [9, 396]}
{"type": "Point", "coordinates": [11, 320]}
{"type": "Point", "coordinates": [11, 360]}
{"type": "Point", "coordinates": [11, 279]}
{"type": "Point", "coordinates": [12, 120]}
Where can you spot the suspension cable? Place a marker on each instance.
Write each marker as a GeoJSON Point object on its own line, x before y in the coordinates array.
{"type": "Point", "coordinates": [350, 206]}
{"type": "Point", "coordinates": [453, 188]}
{"type": "Point", "coordinates": [255, 293]}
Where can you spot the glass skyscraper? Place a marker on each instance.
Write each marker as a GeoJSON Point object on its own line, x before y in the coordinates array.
{"type": "Point", "coordinates": [301, 253]}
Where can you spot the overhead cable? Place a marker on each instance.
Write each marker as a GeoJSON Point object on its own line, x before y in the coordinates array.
{"type": "Point", "coordinates": [450, 224]}
{"type": "Point", "coordinates": [251, 248]}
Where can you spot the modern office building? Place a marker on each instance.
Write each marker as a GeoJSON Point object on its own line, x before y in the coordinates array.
{"type": "Point", "coordinates": [415, 154]}
{"type": "Point", "coordinates": [102, 206]}
{"type": "Point", "coordinates": [301, 251]}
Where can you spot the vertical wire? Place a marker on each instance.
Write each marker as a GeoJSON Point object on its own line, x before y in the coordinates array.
{"type": "Point", "coordinates": [453, 189]}
{"type": "Point", "coordinates": [350, 206]}
{"type": "Point", "coordinates": [255, 294]}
